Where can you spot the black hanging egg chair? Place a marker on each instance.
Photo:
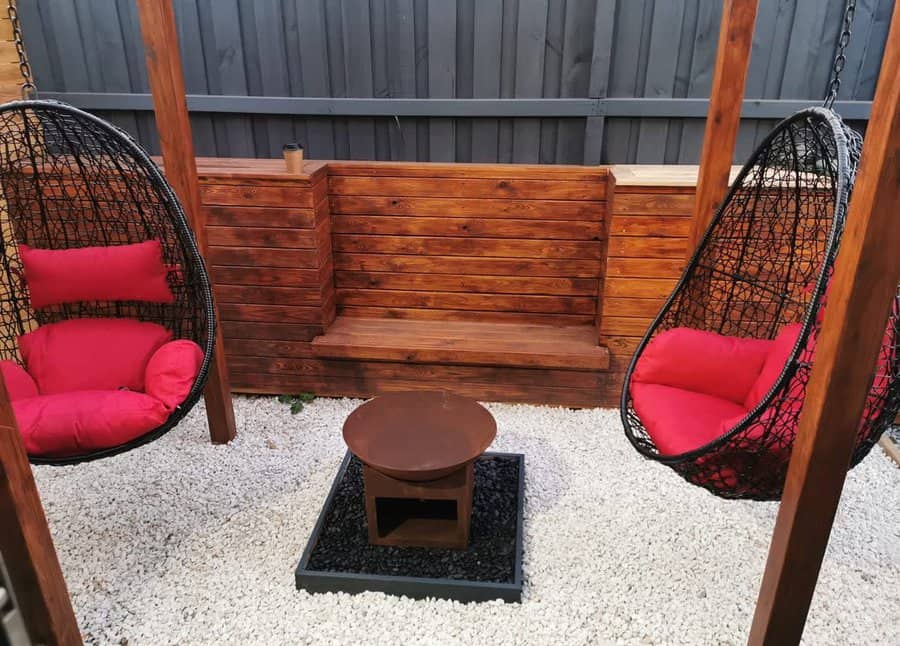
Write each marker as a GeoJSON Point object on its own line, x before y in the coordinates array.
{"type": "Point", "coordinates": [77, 192]}
{"type": "Point", "coordinates": [715, 388]}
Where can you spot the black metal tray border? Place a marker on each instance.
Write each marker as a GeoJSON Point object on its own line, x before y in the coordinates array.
{"type": "Point", "coordinates": [413, 587]}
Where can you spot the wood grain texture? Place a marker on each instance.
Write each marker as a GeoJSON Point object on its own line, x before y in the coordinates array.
{"type": "Point", "coordinates": [166, 78]}
{"type": "Point", "coordinates": [724, 116]}
{"type": "Point", "coordinates": [528, 189]}
{"type": "Point", "coordinates": [864, 285]}
{"type": "Point", "coordinates": [482, 208]}
{"type": "Point", "coordinates": [26, 544]}
{"type": "Point", "coordinates": [462, 343]}
{"type": "Point", "coordinates": [440, 261]}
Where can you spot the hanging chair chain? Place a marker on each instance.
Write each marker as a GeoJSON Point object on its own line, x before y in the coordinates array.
{"type": "Point", "coordinates": [29, 89]}
{"type": "Point", "coordinates": [840, 57]}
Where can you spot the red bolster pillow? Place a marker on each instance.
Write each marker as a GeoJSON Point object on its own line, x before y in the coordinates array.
{"type": "Point", "coordinates": [172, 370]}
{"type": "Point", "coordinates": [131, 272]}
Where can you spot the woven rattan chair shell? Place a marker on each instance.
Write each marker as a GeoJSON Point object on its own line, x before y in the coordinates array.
{"type": "Point", "coordinates": [70, 179]}
{"type": "Point", "coordinates": [766, 261]}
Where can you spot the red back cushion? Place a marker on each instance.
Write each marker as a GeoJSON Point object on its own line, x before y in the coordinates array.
{"type": "Point", "coordinates": [702, 362]}
{"type": "Point", "coordinates": [775, 362]}
{"type": "Point", "coordinates": [91, 354]}
{"type": "Point", "coordinates": [131, 272]}
{"type": "Point", "coordinates": [19, 384]}
{"type": "Point", "coordinates": [172, 370]}
{"type": "Point", "coordinates": [74, 423]}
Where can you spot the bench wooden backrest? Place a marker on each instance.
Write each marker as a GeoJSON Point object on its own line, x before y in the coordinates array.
{"type": "Point", "coordinates": [468, 241]}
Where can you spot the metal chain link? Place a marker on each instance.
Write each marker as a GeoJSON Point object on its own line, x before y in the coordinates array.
{"type": "Point", "coordinates": [840, 58]}
{"type": "Point", "coordinates": [29, 89]}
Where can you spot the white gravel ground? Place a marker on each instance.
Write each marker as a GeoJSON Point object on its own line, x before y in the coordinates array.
{"type": "Point", "coordinates": [182, 542]}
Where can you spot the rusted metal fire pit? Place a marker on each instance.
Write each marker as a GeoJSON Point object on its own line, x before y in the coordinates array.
{"type": "Point", "coordinates": [417, 449]}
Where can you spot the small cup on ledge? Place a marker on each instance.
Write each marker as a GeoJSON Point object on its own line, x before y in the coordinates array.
{"type": "Point", "coordinates": [293, 157]}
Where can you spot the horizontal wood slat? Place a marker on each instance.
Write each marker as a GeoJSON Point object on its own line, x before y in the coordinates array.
{"type": "Point", "coordinates": [642, 202]}
{"type": "Point", "coordinates": [484, 208]}
{"type": "Point", "coordinates": [556, 173]}
{"type": "Point", "coordinates": [645, 267]}
{"type": "Point", "coordinates": [364, 387]}
{"type": "Point", "coordinates": [642, 225]}
{"type": "Point", "coordinates": [467, 283]}
{"type": "Point", "coordinates": [261, 237]}
{"type": "Point", "coordinates": [458, 301]}
{"type": "Point", "coordinates": [646, 247]}
{"type": "Point", "coordinates": [639, 287]}
{"type": "Point", "coordinates": [466, 227]}
{"type": "Point", "coordinates": [467, 265]}
{"type": "Point", "coordinates": [253, 216]}
{"type": "Point", "coordinates": [269, 313]}
{"type": "Point", "coordinates": [263, 257]}
{"type": "Point", "coordinates": [447, 246]}
{"type": "Point", "coordinates": [481, 188]}
{"type": "Point", "coordinates": [263, 276]}
{"type": "Point", "coordinates": [493, 315]}
{"type": "Point", "coordinates": [237, 294]}
{"type": "Point", "coordinates": [308, 365]}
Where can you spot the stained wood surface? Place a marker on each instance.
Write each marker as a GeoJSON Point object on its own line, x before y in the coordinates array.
{"type": "Point", "coordinates": [283, 271]}
{"type": "Point", "coordinates": [411, 240]}
{"type": "Point", "coordinates": [724, 116]}
{"type": "Point", "coordinates": [166, 79]}
{"type": "Point", "coordinates": [864, 285]}
{"type": "Point", "coordinates": [26, 544]}
{"type": "Point", "coordinates": [463, 343]}
{"type": "Point", "coordinates": [10, 75]}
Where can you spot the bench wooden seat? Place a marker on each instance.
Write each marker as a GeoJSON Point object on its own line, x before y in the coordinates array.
{"type": "Point", "coordinates": [464, 343]}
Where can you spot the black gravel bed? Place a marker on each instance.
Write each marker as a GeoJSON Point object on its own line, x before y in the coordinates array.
{"type": "Point", "coordinates": [343, 544]}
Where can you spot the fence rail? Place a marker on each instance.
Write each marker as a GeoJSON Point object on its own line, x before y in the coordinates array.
{"type": "Point", "coordinates": [507, 108]}
{"type": "Point", "coordinates": [551, 81]}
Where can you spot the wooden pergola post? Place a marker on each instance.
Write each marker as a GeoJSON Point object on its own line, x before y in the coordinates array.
{"type": "Point", "coordinates": [26, 543]}
{"type": "Point", "coordinates": [864, 285]}
{"type": "Point", "coordinates": [724, 116]}
{"type": "Point", "coordinates": [166, 78]}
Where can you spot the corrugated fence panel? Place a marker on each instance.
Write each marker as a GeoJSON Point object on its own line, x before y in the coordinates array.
{"type": "Point", "coordinates": [604, 51]}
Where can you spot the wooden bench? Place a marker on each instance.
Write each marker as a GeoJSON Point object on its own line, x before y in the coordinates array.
{"type": "Point", "coordinates": [481, 265]}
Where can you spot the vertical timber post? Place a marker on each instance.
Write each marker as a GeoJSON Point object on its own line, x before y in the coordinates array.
{"type": "Point", "coordinates": [26, 544]}
{"type": "Point", "coordinates": [864, 285]}
{"type": "Point", "coordinates": [170, 107]}
{"type": "Point", "coordinates": [724, 116]}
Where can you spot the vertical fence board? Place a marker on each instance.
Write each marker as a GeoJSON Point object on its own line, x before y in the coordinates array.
{"type": "Point", "coordinates": [531, 35]}
{"type": "Point", "coordinates": [662, 64]}
{"type": "Point", "coordinates": [488, 23]}
{"type": "Point", "coordinates": [441, 74]}
{"type": "Point", "coordinates": [358, 66]}
{"type": "Point", "coordinates": [575, 75]}
{"type": "Point", "coordinates": [306, 43]}
{"type": "Point", "coordinates": [401, 66]}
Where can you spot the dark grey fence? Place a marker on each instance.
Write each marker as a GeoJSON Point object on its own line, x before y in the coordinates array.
{"type": "Point", "coordinates": [549, 81]}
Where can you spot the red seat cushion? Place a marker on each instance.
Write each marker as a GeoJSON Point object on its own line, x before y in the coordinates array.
{"type": "Point", "coordinates": [171, 372]}
{"type": "Point", "coordinates": [704, 362]}
{"type": "Point", "coordinates": [80, 422]}
{"type": "Point", "coordinates": [91, 354]}
{"type": "Point", "coordinates": [132, 272]}
{"type": "Point", "coordinates": [678, 420]}
{"type": "Point", "coordinates": [19, 384]}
